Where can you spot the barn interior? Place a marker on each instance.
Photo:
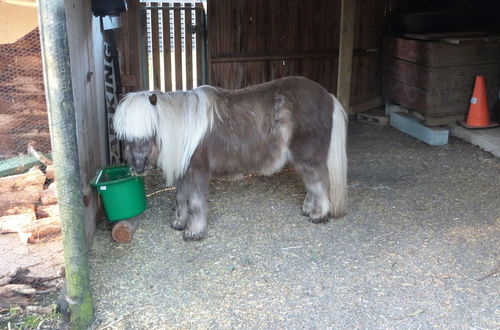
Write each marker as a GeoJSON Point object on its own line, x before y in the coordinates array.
{"type": "Point", "coordinates": [419, 245]}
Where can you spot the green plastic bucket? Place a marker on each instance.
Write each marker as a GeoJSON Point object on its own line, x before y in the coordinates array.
{"type": "Point", "coordinates": [122, 193]}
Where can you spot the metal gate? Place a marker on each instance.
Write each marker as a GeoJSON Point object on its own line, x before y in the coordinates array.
{"type": "Point", "coordinates": [176, 45]}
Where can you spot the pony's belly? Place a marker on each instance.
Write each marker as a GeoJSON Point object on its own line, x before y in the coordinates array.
{"type": "Point", "coordinates": [239, 164]}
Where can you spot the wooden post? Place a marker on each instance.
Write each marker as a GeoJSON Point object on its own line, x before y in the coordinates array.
{"type": "Point", "coordinates": [142, 49]}
{"type": "Point", "coordinates": [61, 109]}
{"type": "Point", "coordinates": [178, 47]}
{"type": "Point", "coordinates": [200, 45]}
{"type": "Point", "coordinates": [155, 45]}
{"type": "Point", "coordinates": [347, 25]}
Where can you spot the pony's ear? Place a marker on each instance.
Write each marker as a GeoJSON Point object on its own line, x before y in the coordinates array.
{"type": "Point", "coordinates": [153, 98]}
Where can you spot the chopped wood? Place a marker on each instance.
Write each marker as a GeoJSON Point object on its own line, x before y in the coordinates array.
{"type": "Point", "coordinates": [50, 172]}
{"type": "Point", "coordinates": [12, 293]}
{"type": "Point", "coordinates": [39, 309]}
{"type": "Point", "coordinates": [44, 160]}
{"type": "Point", "coordinates": [29, 229]}
{"type": "Point", "coordinates": [47, 211]}
{"type": "Point", "coordinates": [19, 276]}
{"type": "Point", "coordinates": [13, 289]}
{"type": "Point", "coordinates": [49, 195]}
{"type": "Point", "coordinates": [21, 189]}
{"type": "Point", "coordinates": [123, 231]}
{"type": "Point", "coordinates": [41, 228]}
{"type": "Point", "coordinates": [19, 300]}
{"type": "Point", "coordinates": [14, 223]}
{"type": "Point", "coordinates": [19, 209]}
{"type": "Point", "coordinates": [13, 275]}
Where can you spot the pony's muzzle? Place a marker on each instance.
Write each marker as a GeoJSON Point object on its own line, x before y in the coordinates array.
{"type": "Point", "coordinates": [140, 165]}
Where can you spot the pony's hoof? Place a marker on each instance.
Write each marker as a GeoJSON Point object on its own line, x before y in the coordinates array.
{"type": "Point", "coordinates": [178, 225]}
{"type": "Point", "coordinates": [193, 236]}
{"type": "Point", "coordinates": [319, 219]}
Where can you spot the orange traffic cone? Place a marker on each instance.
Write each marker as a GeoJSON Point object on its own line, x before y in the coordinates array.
{"type": "Point", "coordinates": [478, 116]}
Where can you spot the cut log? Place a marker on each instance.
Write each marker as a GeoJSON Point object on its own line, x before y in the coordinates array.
{"type": "Point", "coordinates": [12, 276]}
{"type": "Point", "coordinates": [19, 209]}
{"type": "Point", "coordinates": [47, 211]}
{"type": "Point", "coordinates": [50, 172]}
{"type": "Point", "coordinates": [123, 231]}
{"type": "Point", "coordinates": [21, 189]}
{"type": "Point", "coordinates": [8, 302]}
{"type": "Point", "coordinates": [16, 294]}
{"type": "Point", "coordinates": [13, 289]}
{"type": "Point", "coordinates": [14, 223]}
{"type": "Point", "coordinates": [39, 310]}
{"type": "Point", "coordinates": [19, 276]}
{"type": "Point", "coordinates": [41, 228]}
{"type": "Point", "coordinates": [49, 195]}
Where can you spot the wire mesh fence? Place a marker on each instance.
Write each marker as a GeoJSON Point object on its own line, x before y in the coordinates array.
{"type": "Point", "coordinates": [23, 112]}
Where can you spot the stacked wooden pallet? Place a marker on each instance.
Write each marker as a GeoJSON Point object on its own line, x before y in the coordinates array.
{"type": "Point", "coordinates": [434, 74]}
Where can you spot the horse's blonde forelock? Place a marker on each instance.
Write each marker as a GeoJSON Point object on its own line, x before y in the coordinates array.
{"type": "Point", "coordinates": [178, 121]}
{"type": "Point", "coordinates": [183, 120]}
{"type": "Point", "coordinates": [135, 117]}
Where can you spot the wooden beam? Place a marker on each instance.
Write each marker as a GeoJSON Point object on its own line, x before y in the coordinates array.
{"type": "Point", "coordinates": [346, 46]}
{"type": "Point", "coordinates": [167, 49]}
{"type": "Point", "coordinates": [257, 57]}
{"type": "Point", "coordinates": [177, 47]}
{"type": "Point", "coordinates": [188, 46]}
{"type": "Point", "coordinates": [366, 105]}
{"type": "Point", "coordinates": [200, 40]}
{"type": "Point", "coordinates": [155, 45]}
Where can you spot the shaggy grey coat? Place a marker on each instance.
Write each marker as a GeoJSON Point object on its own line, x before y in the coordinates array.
{"type": "Point", "coordinates": [209, 132]}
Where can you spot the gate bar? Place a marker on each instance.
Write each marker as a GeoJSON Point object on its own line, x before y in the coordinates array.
{"type": "Point", "coordinates": [168, 7]}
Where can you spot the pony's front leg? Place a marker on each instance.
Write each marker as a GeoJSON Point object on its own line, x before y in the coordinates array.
{"type": "Point", "coordinates": [197, 191]}
{"type": "Point", "coordinates": [180, 219]}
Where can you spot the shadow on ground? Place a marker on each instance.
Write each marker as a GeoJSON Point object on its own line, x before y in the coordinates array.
{"type": "Point", "coordinates": [418, 249]}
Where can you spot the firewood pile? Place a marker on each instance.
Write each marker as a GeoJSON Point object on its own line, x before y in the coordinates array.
{"type": "Point", "coordinates": [20, 289]}
{"type": "Point", "coordinates": [28, 203]}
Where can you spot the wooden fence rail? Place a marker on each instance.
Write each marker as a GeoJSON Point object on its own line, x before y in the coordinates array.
{"type": "Point", "coordinates": [176, 46]}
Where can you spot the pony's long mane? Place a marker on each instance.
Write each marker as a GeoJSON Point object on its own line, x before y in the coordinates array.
{"type": "Point", "coordinates": [179, 122]}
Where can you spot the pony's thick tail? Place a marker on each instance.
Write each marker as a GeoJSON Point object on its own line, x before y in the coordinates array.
{"type": "Point", "coordinates": [337, 161]}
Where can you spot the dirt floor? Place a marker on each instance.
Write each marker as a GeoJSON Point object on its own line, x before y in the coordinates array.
{"type": "Point", "coordinates": [419, 248]}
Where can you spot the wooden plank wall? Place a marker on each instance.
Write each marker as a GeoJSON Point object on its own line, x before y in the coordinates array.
{"type": "Point", "coordinates": [131, 48]}
{"type": "Point", "coordinates": [252, 41]}
{"type": "Point", "coordinates": [85, 47]}
{"type": "Point", "coordinates": [468, 14]}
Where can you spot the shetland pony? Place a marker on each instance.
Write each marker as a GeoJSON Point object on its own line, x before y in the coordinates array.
{"type": "Point", "coordinates": [208, 132]}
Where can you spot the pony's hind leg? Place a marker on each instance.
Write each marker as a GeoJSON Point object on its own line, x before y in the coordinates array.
{"type": "Point", "coordinates": [316, 204]}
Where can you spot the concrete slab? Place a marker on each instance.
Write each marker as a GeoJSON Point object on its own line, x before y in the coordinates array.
{"type": "Point", "coordinates": [436, 136]}
{"type": "Point", "coordinates": [487, 139]}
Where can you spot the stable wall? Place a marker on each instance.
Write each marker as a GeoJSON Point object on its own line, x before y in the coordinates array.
{"type": "Point", "coordinates": [86, 59]}
{"type": "Point", "coordinates": [253, 41]}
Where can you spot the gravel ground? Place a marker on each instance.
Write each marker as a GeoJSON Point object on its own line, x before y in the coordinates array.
{"type": "Point", "coordinates": [419, 248]}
